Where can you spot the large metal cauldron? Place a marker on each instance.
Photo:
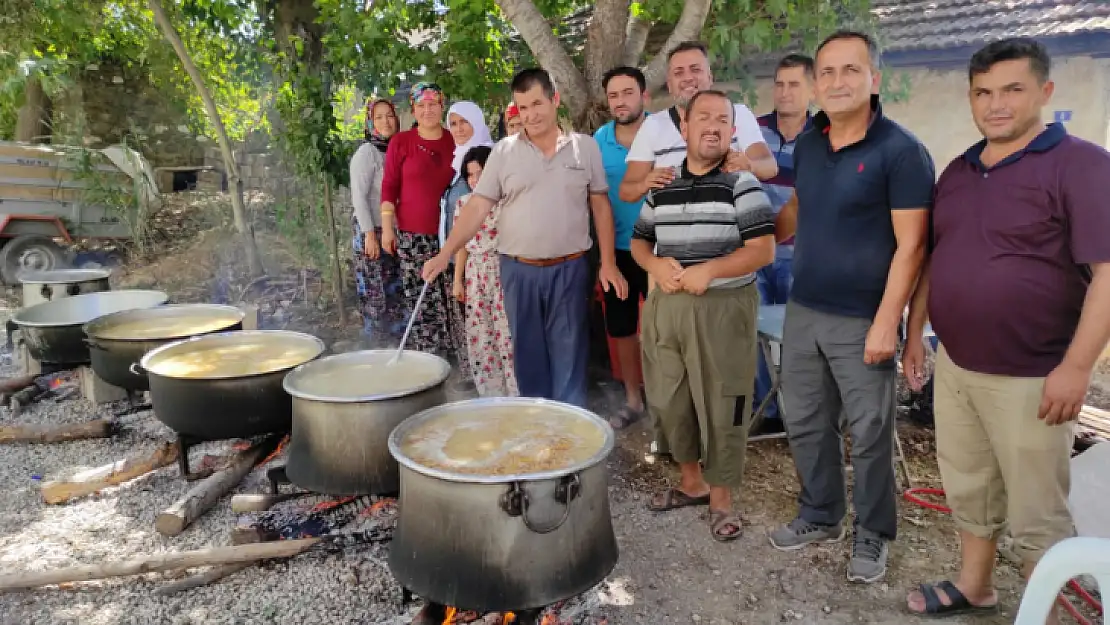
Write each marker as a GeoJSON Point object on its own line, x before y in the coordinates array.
{"type": "Point", "coordinates": [47, 286]}
{"type": "Point", "coordinates": [497, 543]}
{"type": "Point", "coordinates": [344, 408]}
{"type": "Point", "coordinates": [230, 402]}
{"type": "Point", "coordinates": [54, 331]}
{"type": "Point", "coordinates": [118, 341]}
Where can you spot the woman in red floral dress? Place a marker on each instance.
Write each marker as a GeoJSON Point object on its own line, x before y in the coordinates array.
{"type": "Point", "coordinates": [478, 285]}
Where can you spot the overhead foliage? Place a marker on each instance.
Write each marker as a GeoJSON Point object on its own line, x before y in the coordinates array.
{"type": "Point", "coordinates": [471, 47]}
{"type": "Point", "coordinates": [58, 40]}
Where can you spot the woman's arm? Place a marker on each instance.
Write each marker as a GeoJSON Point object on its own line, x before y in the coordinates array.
{"type": "Point", "coordinates": [391, 193]}
{"type": "Point", "coordinates": [362, 180]}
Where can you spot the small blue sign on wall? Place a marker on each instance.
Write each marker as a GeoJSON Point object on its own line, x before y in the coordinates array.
{"type": "Point", "coordinates": [1062, 116]}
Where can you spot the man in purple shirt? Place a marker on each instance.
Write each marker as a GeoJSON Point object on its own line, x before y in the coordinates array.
{"type": "Point", "coordinates": [1018, 291]}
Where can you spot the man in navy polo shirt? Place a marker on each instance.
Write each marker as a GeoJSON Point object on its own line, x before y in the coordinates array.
{"type": "Point", "coordinates": [863, 188]}
{"type": "Point", "coordinates": [626, 92]}
{"type": "Point", "coordinates": [781, 127]}
{"type": "Point", "coordinates": [1018, 290]}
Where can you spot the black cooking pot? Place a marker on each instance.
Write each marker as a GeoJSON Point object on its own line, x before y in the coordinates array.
{"type": "Point", "coordinates": [206, 388]}
{"type": "Point", "coordinates": [54, 331]}
{"type": "Point", "coordinates": [118, 341]}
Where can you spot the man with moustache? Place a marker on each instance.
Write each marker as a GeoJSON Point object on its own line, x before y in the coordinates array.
{"type": "Point", "coordinates": [703, 237]}
{"type": "Point", "coordinates": [860, 211]}
{"type": "Point", "coordinates": [626, 92]}
{"type": "Point", "coordinates": [549, 182]}
{"type": "Point", "coordinates": [793, 94]}
{"type": "Point", "coordinates": [1018, 290]}
{"type": "Point", "coordinates": [659, 148]}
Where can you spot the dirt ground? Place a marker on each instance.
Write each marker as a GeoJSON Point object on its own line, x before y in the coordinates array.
{"type": "Point", "coordinates": [670, 570]}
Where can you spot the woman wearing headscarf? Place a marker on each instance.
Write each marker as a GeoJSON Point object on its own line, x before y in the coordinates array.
{"type": "Point", "coordinates": [377, 276]}
{"type": "Point", "coordinates": [417, 173]}
{"type": "Point", "coordinates": [469, 130]}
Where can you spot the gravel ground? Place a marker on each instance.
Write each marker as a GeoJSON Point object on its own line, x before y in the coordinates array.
{"type": "Point", "coordinates": [670, 570]}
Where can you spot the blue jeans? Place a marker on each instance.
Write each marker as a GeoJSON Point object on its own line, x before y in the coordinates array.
{"type": "Point", "coordinates": [774, 282]}
{"type": "Point", "coordinates": [548, 311]}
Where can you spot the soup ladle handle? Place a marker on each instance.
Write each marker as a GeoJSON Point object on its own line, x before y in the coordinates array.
{"type": "Point", "coordinates": [408, 328]}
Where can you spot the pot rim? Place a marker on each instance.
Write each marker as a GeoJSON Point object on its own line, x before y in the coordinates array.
{"type": "Point", "coordinates": [216, 336]}
{"type": "Point", "coordinates": [64, 276]}
{"type": "Point", "coordinates": [90, 328]}
{"type": "Point", "coordinates": [419, 418]}
{"type": "Point", "coordinates": [18, 319]}
{"type": "Point", "coordinates": [305, 369]}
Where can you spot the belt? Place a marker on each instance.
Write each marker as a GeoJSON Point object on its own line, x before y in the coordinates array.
{"type": "Point", "coordinates": [548, 262]}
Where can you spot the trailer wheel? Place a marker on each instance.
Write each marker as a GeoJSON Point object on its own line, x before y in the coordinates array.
{"type": "Point", "coordinates": [29, 252]}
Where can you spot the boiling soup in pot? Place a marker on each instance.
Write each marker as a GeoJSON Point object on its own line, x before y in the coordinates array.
{"type": "Point", "coordinates": [140, 329]}
{"type": "Point", "coordinates": [363, 379]}
{"type": "Point", "coordinates": [226, 360]}
{"type": "Point", "coordinates": [503, 440]}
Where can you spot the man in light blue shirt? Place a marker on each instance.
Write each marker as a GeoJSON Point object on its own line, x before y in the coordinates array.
{"type": "Point", "coordinates": [625, 90]}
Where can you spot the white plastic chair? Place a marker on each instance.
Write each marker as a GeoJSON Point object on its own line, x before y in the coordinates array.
{"type": "Point", "coordinates": [1064, 561]}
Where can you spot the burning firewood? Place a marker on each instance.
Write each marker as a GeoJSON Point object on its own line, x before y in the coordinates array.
{"type": "Point", "coordinates": [98, 428]}
{"type": "Point", "coordinates": [24, 397]}
{"type": "Point", "coordinates": [205, 494]}
{"type": "Point", "coordinates": [109, 475]}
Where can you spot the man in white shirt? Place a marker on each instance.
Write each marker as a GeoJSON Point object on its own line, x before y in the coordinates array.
{"type": "Point", "coordinates": [659, 147]}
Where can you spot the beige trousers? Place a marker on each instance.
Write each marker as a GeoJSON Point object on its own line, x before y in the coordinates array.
{"type": "Point", "coordinates": [1001, 466]}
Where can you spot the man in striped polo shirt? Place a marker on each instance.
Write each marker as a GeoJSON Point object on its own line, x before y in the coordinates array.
{"type": "Point", "coordinates": [702, 238]}
{"type": "Point", "coordinates": [794, 82]}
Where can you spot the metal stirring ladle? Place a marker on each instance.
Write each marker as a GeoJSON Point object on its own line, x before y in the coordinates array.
{"type": "Point", "coordinates": [412, 318]}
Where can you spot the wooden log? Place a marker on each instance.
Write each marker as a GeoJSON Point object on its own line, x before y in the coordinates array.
{"type": "Point", "coordinates": [205, 494]}
{"type": "Point", "coordinates": [213, 574]}
{"type": "Point", "coordinates": [251, 502]}
{"type": "Point", "coordinates": [159, 562]}
{"type": "Point", "coordinates": [97, 428]}
{"type": "Point", "coordinates": [18, 383]}
{"type": "Point", "coordinates": [109, 475]}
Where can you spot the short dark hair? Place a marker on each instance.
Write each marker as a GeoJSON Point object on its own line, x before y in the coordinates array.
{"type": "Point", "coordinates": [686, 46]}
{"type": "Point", "coordinates": [796, 60]}
{"type": "Point", "coordinates": [712, 93]}
{"type": "Point", "coordinates": [1012, 49]}
{"type": "Point", "coordinates": [844, 35]}
{"type": "Point", "coordinates": [477, 154]}
{"type": "Point", "coordinates": [525, 79]}
{"type": "Point", "coordinates": [625, 70]}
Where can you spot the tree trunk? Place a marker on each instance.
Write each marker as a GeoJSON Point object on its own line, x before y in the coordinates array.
{"type": "Point", "coordinates": [690, 23]}
{"type": "Point", "coordinates": [550, 53]}
{"type": "Point", "coordinates": [33, 123]}
{"type": "Point", "coordinates": [333, 243]}
{"type": "Point", "coordinates": [235, 183]}
{"type": "Point", "coordinates": [635, 39]}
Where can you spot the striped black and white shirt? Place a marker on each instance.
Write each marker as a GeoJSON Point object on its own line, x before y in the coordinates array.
{"type": "Point", "coordinates": [699, 218]}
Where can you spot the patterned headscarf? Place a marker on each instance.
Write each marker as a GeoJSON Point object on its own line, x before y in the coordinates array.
{"type": "Point", "coordinates": [373, 136]}
{"type": "Point", "coordinates": [425, 91]}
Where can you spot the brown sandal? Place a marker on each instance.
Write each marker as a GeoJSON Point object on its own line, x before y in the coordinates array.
{"type": "Point", "coordinates": [673, 499]}
{"type": "Point", "coordinates": [720, 522]}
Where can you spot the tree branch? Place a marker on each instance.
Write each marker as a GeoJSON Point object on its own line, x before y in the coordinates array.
{"type": "Point", "coordinates": [605, 42]}
{"type": "Point", "coordinates": [635, 40]}
{"type": "Point", "coordinates": [690, 23]}
{"type": "Point", "coordinates": [235, 182]}
{"type": "Point", "coordinates": [549, 51]}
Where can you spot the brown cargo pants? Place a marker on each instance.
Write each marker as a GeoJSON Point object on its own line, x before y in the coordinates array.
{"type": "Point", "coordinates": [699, 355]}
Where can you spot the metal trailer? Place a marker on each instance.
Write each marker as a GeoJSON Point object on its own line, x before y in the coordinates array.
{"type": "Point", "coordinates": [45, 205]}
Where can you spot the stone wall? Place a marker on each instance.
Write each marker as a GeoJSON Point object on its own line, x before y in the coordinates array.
{"type": "Point", "coordinates": [112, 103]}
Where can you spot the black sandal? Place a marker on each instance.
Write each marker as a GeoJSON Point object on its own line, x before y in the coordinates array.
{"type": "Point", "coordinates": [624, 418]}
{"type": "Point", "coordinates": [935, 608]}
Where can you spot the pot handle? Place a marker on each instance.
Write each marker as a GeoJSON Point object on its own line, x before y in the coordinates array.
{"type": "Point", "coordinates": [136, 369]}
{"type": "Point", "coordinates": [73, 289]}
{"type": "Point", "coordinates": [515, 502]}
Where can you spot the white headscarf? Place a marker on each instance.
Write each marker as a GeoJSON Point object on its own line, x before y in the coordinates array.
{"type": "Point", "coordinates": [471, 113]}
